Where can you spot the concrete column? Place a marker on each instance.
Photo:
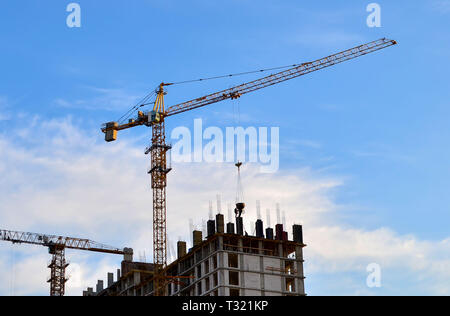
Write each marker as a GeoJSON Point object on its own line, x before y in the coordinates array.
{"type": "Point", "coordinates": [220, 241]}
{"type": "Point", "coordinates": [99, 286]}
{"type": "Point", "coordinates": [279, 231]}
{"type": "Point", "coordinates": [297, 232]}
{"type": "Point", "coordinates": [283, 279]}
{"type": "Point", "coordinates": [240, 245]}
{"type": "Point", "coordinates": [261, 268]}
{"type": "Point", "coordinates": [197, 237]}
{"type": "Point", "coordinates": [241, 274]}
{"type": "Point", "coordinates": [298, 253]}
{"type": "Point", "coordinates": [211, 225]}
{"type": "Point", "coordinates": [300, 273]}
{"type": "Point", "coordinates": [221, 273]}
{"type": "Point", "coordinates": [181, 249]}
{"type": "Point", "coordinates": [230, 228]}
{"type": "Point", "coordinates": [220, 223]}
{"type": "Point", "coordinates": [239, 226]}
{"type": "Point", "coordinates": [280, 250]}
{"type": "Point", "coordinates": [110, 279]}
{"type": "Point", "coordinates": [301, 286]}
{"type": "Point", "coordinates": [259, 229]}
{"type": "Point", "coordinates": [128, 254]}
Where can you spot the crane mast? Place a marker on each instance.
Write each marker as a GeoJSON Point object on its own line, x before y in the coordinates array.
{"type": "Point", "coordinates": [158, 172]}
{"type": "Point", "coordinates": [57, 267]}
{"type": "Point", "coordinates": [159, 148]}
{"type": "Point", "coordinates": [56, 247]}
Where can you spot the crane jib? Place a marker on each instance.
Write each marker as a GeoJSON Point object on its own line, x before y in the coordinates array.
{"type": "Point", "coordinates": [110, 129]}
{"type": "Point", "coordinates": [282, 76]}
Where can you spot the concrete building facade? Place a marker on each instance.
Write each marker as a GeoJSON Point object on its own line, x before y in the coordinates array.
{"type": "Point", "coordinates": [233, 265]}
{"type": "Point", "coordinates": [128, 282]}
{"type": "Point", "coordinates": [224, 264]}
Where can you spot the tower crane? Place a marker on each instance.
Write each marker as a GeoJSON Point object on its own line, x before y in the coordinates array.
{"type": "Point", "coordinates": [158, 149]}
{"type": "Point", "coordinates": [56, 247]}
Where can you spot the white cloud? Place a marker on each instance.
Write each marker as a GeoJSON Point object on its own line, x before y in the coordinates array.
{"type": "Point", "coordinates": [57, 178]}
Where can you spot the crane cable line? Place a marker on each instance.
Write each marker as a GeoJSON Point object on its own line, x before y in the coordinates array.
{"type": "Point", "coordinates": [141, 103]}
{"type": "Point", "coordinates": [135, 107]}
{"type": "Point", "coordinates": [369, 49]}
{"type": "Point", "coordinates": [144, 101]}
{"type": "Point", "coordinates": [232, 75]}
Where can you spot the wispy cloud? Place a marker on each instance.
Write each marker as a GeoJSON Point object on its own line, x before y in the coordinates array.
{"type": "Point", "coordinates": [382, 151]}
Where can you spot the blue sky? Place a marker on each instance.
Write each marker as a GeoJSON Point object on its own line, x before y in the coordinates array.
{"type": "Point", "coordinates": [376, 128]}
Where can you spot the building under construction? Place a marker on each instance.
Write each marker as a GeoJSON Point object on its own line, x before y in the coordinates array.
{"type": "Point", "coordinates": [228, 262]}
